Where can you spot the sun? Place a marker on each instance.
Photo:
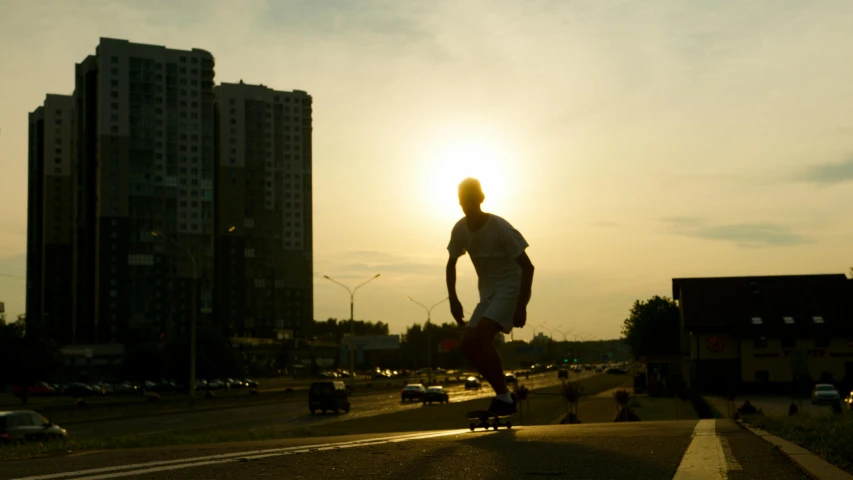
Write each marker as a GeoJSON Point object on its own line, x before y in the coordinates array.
{"type": "Point", "coordinates": [454, 160]}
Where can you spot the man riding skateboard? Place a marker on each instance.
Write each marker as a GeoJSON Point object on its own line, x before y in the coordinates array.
{"type": "Point", "coordinates": [504, 280]}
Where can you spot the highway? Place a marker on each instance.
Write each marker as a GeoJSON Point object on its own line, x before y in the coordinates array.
{"type": "Point", "coordinates": [286, 415]}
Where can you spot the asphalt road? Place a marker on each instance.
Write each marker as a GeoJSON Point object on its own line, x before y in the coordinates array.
{"type": "Point", "coordinates": [283, 416]}
{"type": "Point", "coordinates": [643, 450]}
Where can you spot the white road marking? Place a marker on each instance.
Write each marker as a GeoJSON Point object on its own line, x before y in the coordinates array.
{"type": "Point", "coordinates": [731, 461]}
{"type": "Point", "coordinates": [165, 465]}
{"type": "Point", "coordinates": [704, 458]}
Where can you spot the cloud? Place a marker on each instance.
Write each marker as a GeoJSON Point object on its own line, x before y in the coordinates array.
{"type": "Point", "coordinates": [829, 173]}
{"type": "Point", "coordinates": [742, 234]}
{"type": "Point", "coordinates": [358, 264]}
{"type": "Point", "coordinates": [684, 221]}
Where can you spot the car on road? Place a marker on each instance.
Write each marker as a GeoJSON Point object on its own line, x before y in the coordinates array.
{"type": "Point", "coordinates": [849, 400]}
{"type": "Point", "coordinates": [414, 391]}
{"type": "Point", "coordinates": [511, 379]}
{"type": "Point", "coordinates": [251, 383]}
{"type": "Point", "coordinates": [825, 393]}
{"type": "Point", "coordinates": [599, 368]}
{"type": "Point", "coordinates": [328, 396]}
{"type": "Point", "coordinates": [473, 383]}
{"type": "Point", "coordinates": [28, 426]}
{"type": "Point", "coordinates": [616, 371]}
{"type": "Point", "coordinates": [436, 394]}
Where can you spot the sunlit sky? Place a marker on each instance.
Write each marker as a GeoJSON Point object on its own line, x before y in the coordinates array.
{"type": "Point", "coordinates": [629, 142]}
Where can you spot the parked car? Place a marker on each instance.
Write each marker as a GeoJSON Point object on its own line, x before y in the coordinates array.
{"type": "Point", "coordinates": [599, 368]}
{"type": "Point", "coordinates": [328, 396]}
{"type": "Point", "coordinates": [28, 426]}
{"type": "Point", "coordinates": [511, 379]}
{"type": "Point", "coordinates": [233, 383]}
{"type": "Point", "coordinates": [825, 393]}
{"type": "Point", "coordinates": [436, 394]}
{"type": "Point", "coordinates": [251, 383]}
{"type": "Point", "coordinates": [40, 389]}
{"type": "Point", "coordinates": [78, 389]}
{"type": "Point", "coordinates": [414, 391]}
{"type": "Point", "coordinates": [216, 384]}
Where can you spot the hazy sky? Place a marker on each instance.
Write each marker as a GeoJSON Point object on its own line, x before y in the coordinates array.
{"type": "Point", "coordinates": [629, 142]}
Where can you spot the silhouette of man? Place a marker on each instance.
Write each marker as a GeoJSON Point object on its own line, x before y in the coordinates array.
{"type": "Point", "coordinates": [504, 280]}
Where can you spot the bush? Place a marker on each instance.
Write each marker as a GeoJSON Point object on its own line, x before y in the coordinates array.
{"type": "Point", "coordinates": [622, 397]}
{"type": "Point", "coordinates": [748, 409]}
{"type": "Point", "coordinates": [572, 391]}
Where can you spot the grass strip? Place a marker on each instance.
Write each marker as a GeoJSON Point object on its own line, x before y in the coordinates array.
{"type": "Point", "coordinates": [829, 436]}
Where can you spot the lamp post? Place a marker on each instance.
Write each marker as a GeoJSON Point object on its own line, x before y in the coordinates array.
{"type": "Point", "coordinates": [351, 321]}
{"type": "Point", "coordinates": [193, 307]}
{"type": "Point", "coordinates": [429, 334]}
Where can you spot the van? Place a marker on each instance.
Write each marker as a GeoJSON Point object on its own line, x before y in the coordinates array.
{"type": "Point", "coordinates": [325, 396]}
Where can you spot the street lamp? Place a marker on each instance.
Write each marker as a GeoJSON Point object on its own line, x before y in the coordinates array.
{"type": "Point", "coordinates": [429, 334]}
{"type": "Point", "coordinates": [351, 321]}
{"type": "Point", "coordinates": [193, 308]}
{"type": "Point", "coordinates": [538, 325]}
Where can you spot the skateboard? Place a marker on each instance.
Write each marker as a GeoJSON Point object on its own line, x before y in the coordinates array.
{"type": "Point", "coordinates": [485, 419]}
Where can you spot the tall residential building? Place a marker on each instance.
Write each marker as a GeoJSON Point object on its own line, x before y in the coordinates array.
{"type": "Point", "coordinates": [144, 163]}
{"type": "Point", "coordinates": [50, 218]}
{"type": "Point", "coordinates": [264, 254]}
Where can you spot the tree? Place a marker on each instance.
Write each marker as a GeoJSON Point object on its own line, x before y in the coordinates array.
{"type": "Point", "coordinates": [335, 329]}
{"type": "Point", "coordinates": [653, 327]}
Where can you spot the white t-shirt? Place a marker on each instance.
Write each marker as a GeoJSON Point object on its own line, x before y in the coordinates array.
{"type": "Point", "coordinates": [493, 249]}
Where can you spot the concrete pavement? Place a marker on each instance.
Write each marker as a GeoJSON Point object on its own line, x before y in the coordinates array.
{"type": "Point", "coordinates": [690, 449]}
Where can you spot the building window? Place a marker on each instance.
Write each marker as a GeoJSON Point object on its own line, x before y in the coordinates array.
{"type": "Point", "coordinates": [789, 342]}
{"type": "Point", "coordinates": [821, 342]}
{"type": "Point", "coordinates": [788, 320]}
{"type": "Point", "coordinates": [757, 321]}
{"type": "Point", "coordinates": [817, 319]}
{"type": "Point", "coordinates": [762, 376]}
{"type": "Point", "coordinates": [759, 342]}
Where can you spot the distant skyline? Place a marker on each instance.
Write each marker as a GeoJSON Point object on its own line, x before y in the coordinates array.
{"type": "Point", "coordinates": [630, 143]}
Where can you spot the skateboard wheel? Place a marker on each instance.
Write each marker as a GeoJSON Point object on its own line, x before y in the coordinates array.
{"type": "Point", "coordinates": [508, 425]}
{"type": "Point", "coordinates": [471, 426]}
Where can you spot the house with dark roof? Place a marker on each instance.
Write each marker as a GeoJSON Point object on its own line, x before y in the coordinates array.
{"type": "Point", "coordinates": [767, 333]}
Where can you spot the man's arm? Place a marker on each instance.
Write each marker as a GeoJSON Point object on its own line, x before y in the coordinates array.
{"type": "Point", "coordinates": [455, 304]}
{"type": "Point", "coordinates": [523, 261]}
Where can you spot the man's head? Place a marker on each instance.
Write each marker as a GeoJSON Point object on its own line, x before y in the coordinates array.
{"type": "Point", "coordinates": [470, 195]}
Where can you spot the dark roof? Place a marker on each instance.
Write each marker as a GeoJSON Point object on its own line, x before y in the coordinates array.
{"type": "Point", "coordinates": [733, 302]}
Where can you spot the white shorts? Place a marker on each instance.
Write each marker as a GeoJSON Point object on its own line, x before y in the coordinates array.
{"type": "Point", "coordinates": [499, 308]}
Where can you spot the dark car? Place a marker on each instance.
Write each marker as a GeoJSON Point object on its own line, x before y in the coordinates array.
{"type": "Point", "coordinates": [332, 396]}
{"type": "Point", "coordinates": [511, 379]}
{"type": "Point", "coordinates": [436, 394]}
{"type": "Point", "coordinates": [251, 383]}
{"type": "Point", "coordinates": [414, 391]}
{"type": "Point", "coordinates": [473, 383]}
{"type": "Point", "coordinates": [78, 389]}
{"type": "Point", "coordinates": [28, 426]}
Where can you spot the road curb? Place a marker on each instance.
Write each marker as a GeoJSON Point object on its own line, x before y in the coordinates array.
{"type": "Point", "coordinates": [811, 464]}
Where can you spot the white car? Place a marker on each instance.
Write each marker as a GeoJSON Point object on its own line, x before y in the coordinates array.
{"type": "Point", "coordinates": [825, 393]}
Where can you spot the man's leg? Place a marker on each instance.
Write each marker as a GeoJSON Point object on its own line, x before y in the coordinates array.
{"type": "Point", "coordinates": [478, 345]}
